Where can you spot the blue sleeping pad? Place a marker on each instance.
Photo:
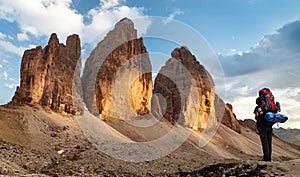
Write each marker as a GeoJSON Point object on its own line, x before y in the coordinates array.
{"type": "Point", "coordinates": [276, 117]}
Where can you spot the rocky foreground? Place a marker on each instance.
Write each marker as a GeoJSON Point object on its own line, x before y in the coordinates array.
{"type": "Point", "coordinates": [48, 144]}
{"type": "Point", "coordinates": [40, 164]}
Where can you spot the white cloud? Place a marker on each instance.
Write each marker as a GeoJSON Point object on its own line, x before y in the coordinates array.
{"type": "Point", "coordinates": [30, 30]}
{"type": "Point", "coordinates": [107, 4]}
{"type": "Point", "coordinates": [31, 46]}
{"type": "Point", "coordinates": [235, 52]}
{"type": "Point", "coordinates": [93, 32]}
{"type": "Point", "coordinates": [12, 79]}
{"type": "Point", "coordinates": [2, 36]}
{"type": "Point", "coordinates": [8, 46]}
{"type": "Point", "coordinates": [107, 17]}
{"type": "Point", "coordinates": [172, 16]}
{"type": "Point", "coordinates": [43, 17]}
{"type": "Point", "coordinates": [22, 37]}
{"type": "Point", "coordinates": [7, 12]}
{"type": "Point", "coordinates": [5, 61]}
{"type": "Point", "coordinates": [243, 107]}
{"type": "Point", "coordinates": [10, 86]}
{"type": "Point", "coordinates": [1, 66]}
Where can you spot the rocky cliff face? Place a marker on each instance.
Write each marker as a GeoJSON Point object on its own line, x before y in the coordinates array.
{"type": "Point", "coordinates": [225, 112]}
{"type": "Point", "coordinates": [117, 79]}
{"type": "Point", "coordinates": [188, 90]}
{"type": "Point", "coordinates": [230, 120]}
{"type": "Point", "coordinates": [47, 74]}
{"type": "Point", "coordinates": [123, 32]}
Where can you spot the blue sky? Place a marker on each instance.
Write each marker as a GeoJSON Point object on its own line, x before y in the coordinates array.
{"type": "Point", "coordinates": [246, 34]}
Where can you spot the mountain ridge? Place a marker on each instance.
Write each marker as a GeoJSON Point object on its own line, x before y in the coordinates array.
{"type": "Point", "coordinates": [289, 135]}
{"type": "Point", "coordinates": [45, 80]}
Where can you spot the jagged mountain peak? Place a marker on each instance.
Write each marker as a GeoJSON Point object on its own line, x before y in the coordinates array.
{"type": "Point", "coordinates": [53, 39]}
{"type": "Point", "coordinates": [46, 75]}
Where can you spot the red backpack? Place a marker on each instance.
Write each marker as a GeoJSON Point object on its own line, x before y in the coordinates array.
{"type": "Point", "coordinates": [267, 101]}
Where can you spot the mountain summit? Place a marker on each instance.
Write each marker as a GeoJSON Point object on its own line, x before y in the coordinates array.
{"type": "Point", "coordinates": [46, 74]}
{"type": "Point", "coordinates": [117, 78]}
{"type": "Point", "coordinates": [188, 88]}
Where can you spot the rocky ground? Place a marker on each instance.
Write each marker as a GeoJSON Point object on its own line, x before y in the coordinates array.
{"type": "Point", "coordinates": [38, 143]}
{"type": "Point", "coordinates": [86, 161]}
{"type": "Point", "coordinates": [247, 168]}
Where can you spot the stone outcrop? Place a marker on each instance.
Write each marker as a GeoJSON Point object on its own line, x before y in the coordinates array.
{"type": "Point", "coordinates": [47, 75]}
{"type": "Point", "coordinates": [249, 123]}
{"type": "Point", "coordinates": [117, 79]}
{"type": "Point", "coordinates": [225, 113]}
{"type": "Point", "coordinates": [230, 120]}
{"type": "Point", "coordinates": [186, 91]}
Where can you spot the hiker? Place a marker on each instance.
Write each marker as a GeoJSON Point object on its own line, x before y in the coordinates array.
{"type": "Point", "coordinates": [265, 104]}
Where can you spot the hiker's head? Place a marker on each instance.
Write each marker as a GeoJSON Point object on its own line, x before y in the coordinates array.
{"type": "Point", "coordinates": [263, 91]}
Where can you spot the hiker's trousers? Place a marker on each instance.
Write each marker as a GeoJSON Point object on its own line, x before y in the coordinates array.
{"type": "Point", "coordinates": [265, 133]}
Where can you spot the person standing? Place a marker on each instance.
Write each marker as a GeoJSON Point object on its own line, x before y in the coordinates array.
{"type": "Point", "coordinates": [265, 103]}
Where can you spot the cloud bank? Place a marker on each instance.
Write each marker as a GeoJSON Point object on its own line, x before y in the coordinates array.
{"type": "Point", "coordinates": [43, 17]}
{"type": "Point", "coordinates": [274, 62]}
